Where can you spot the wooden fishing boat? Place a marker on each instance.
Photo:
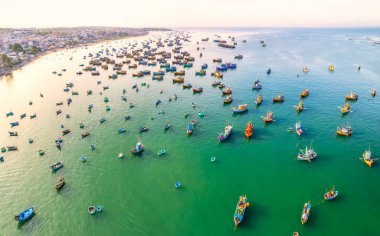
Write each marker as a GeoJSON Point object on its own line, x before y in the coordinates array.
{"type": "Point", "coordinates": [226, 133]}
{"type": "Point", "coordinates": [217, 74]}
{"type": "Point", "coordinates": [121, 72]}
{"type": "Point", "coordinates": [228, 99]}
{"type": "Point", "coordinates": [240, 109]}
{"type": "Point", "coordinates": [85, 134]}
{"type": "Point", "coordinates": [300, 107]}
{"type": "Point", "coordinates": [60, 183]}
{"type": "Point", "coordinates": [178, 80]}
{"type": "Point", "coordinates": [215, 83]}
{"type": "Point", "coordinates": [227, 91]}
{"type": "Point", "coordinates": [305, 70]}
{"type": "Point", "coordinates": [91, 210]}
{"type": "Point", "coordinates": [182, 72]}
{"type": "Point", "coordinates": [279, 99]}
{"type": "Point", "coordinates": [367, 158]}
{"type": "Point", "coordinates": [138, 149]}
{"type": "Point", "coordinates": [56, 166]}
{"type": "Point", "coordinates": [344, 130]}
{"type": "Point", "coordinates": [248, 130]}
{"type": "Point", "coordinates": [269, 117]}
{"type": "Point", "coordinates": [217, 60]}
{"type": "Point", "coordinates": [373, 92]}
{"type": "Point", "coordinates": [259, 100]}
{"type": "Point", "coordinates": [345, 109]}
{"type": "Point", "coordinates": [298, 127]}
{"type": "Point", "coordinates": [352, 96]}
{"type": "Point", "coordinates": [304, 93]}
{"type": "Point", "coordinates": [200, 73]}
{"type": "Point", "coordinates": [221, 85]}
{"type": "Point", "coordinates": [187, 86]}
{"type": "Point", "coordinates": [138, 74]}
{"type": "Point", "coordinates": [189, 129]}
{"type": "Point", "coordinates": [25, 215]}
{"type": "Point", "coordinates": [331, 194]}
{"type": "Point", "coordinates": [198, 90]}
{"type": "Point", "coordinates": [241, 206]}
{"type": "Point", "coordinates": [306, 154]}
{"type": "Point", "coordinates": [305, 212]}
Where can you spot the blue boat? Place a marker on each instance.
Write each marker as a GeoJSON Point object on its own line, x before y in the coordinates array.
{"type": "Point", "coordinates": [158, 102]}
{"type": "Point", "coordinates": [56, 166]}
{"type": "Point", "coordinates": [221, 68]}
{"type": "Point", "coordinates": [177, 184]}
{"type": "Point", "coordinates": [240, 109]}
{"type": "Point", "coordinates": [92, 147]}
{"type": "Point", "coordinates": [25, 215]}
{"type": "Point", "coordinates": [204, 66]}
{"type": "Point", "coordinates": [269, 71]}
{"type": "Point", "coordinates": [231, 65]}
{"type": "Point", "coordinates": [138, 149]}
{"type": "Point", "coordinates": [13, 124]}
{"type": "Point", "coordinates": [22, 116]}
{"type": "Point", "coordinates": [189, 130]}
{"type": "Point", "coordinates": [226, 133]}
{"type": "Point", "coordinates": [83, 158]}
{"type": "Point", "coordinates": [159, 73]}
{"type": "Point", "coordinates": [143, 62]}
{"type": "Point", "coordinates": [240, 209]}
{"type": "Point", "coordinates": [171, 69]}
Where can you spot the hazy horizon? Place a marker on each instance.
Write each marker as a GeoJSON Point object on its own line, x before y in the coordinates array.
{"type": "Point", "coordinates": [198, 13]}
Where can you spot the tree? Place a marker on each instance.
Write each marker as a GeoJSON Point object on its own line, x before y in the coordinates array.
{"type": "Point", "coordinates": [34, 50]}
{"type": "Point", "coordinates": [7, 61]}
{"type": "Point", "coordinates": [16, 48]}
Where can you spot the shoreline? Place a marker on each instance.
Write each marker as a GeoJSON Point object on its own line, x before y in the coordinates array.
{"type": "Point", "coordinates": [9, 72]}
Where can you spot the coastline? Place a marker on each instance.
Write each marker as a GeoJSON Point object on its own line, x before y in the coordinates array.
{"type": "Point", "coordinates": [9, 71]}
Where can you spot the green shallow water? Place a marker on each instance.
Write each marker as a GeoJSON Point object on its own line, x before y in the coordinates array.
{"type": "Point", "coordinates": [138, 194]}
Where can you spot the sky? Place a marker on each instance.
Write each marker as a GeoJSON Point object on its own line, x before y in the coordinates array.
{"type": "Point", "coordinates": [190, 13]}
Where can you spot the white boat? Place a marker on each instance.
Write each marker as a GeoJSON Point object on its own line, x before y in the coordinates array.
{"type": "Point", "coordinates": [307, 154]}
{"type": "Point", "coordinates": [299, 130]}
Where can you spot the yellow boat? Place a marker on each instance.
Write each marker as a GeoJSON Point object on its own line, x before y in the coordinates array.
{"type": "Point", "coordinates": [345, 109]}
{"type": "Point", "coordinates": [217, 75]}
{"type": "Point", "coordinates": [305, 69]}
{"type": "Point", "coordinates": [300, 107]}
{"type": "Point", "coordinates": [304, 93]}
{"type": "Point", "coordinates": [373, 92]}
{"type": "Point", "coordinates": [352, 96]}
{"type": "Point", "coordinates": [178, 80]}
{"type": "Point", "coordinates": [331, 68]}
{"type": "Point", "coordinates": [344, 131]}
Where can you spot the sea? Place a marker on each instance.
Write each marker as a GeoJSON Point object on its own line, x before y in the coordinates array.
{"type": "Point", "coordinates": [138, 194]}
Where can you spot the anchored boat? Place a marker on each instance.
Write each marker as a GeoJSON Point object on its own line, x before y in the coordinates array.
{"type": "Point", "coordinates": [345, 109]}
{"type": "Point", "coordinates": [25, 215]}
{"type": "Point", "coordinates": [344, 130]}
{"type": "Point", "coordinates": [259, 100]}
{"type": "Point", "coordinates": [248, 130]}
{"type": "Point", "coordinates": [331, 194]}
{"type": "Point", "coordinates": [299, 130]}
{"type": "Point", "coordinates": [304, 93]}
{"type": "Point", "coordinates": [305, 212]}
{"type": "Point", "coordinates": [269, 117]}
{"type": "Point", "coordinates": [367, 158]}
{"type": "Point", "coordinates": [138, 149]}
{"type": "Point", "coordinates": [306, 154]}
{"type": "Point", "coordinates": [279, 99]}
{"type": "Point", "coordinates": [240, 109]}
{"type": "Point", "coordinates": [241, 206]}
{"type": "Point", "coordinates": [56, 166]}
{"type": "Point", "coordinates": [226, 133]}
{"type": "Point", "coordinates": [228, 99]}
{"type": "Point", "coordinates": [257, 85]}
{"type": "Point", "coordinates": [352, 96]}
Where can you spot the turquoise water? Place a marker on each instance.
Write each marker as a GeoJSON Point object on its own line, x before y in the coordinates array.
{"type": "Point", "coordinates": [138, 194]}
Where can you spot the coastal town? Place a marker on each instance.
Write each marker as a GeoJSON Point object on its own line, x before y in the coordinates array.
{"type": "Point", "coordinates": [20, 46]}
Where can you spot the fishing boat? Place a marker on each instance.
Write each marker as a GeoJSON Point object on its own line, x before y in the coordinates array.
{"type": "Point", "coordinates": [102, 120]}
{"type": "Point", "coordinates": [122, 130]}
{"type": "Point", "coordinates": [83, 158]}
{"type": "Point", "coordinates": [331, 194]}
{"type": "Point", "coordinates": [33, 116]}
{"type": "Point", "coordinates": [217, 74]}
{"type": "Point", "coordinates": [269, 117]}
{"type": "Point", "coordinates": [178, 73]}
{"type": "Point", "coordinates": [257, 85]}
{"type": "Point", "coordinates": [215, 83]}
{"type": "Point", "coordinates": [299, 130]}
{"type": "Point", "coordinates": [85, 134]}
{"type": "Point", "coordinates": [98, 208]}
{"type": "Point", "coordinates": [269, 71]}
{"type": "Point", "coordinates": [189, 129]}
{"type": "Point", "coordinates": [306, 154]}
{"type": "Point", "coordinates": [91, 210]}
{"type": "Point", "coordinates": [56, 166]}
{"type": "Point", "coordinates": [178, 80]}
{"type": "Point", "coordinates": [12, 133]}
{"type": "Point", "coordinates": [240, 109]}
{"type": "Point", "coordinates": [201, 114]}
{"type": "Point", "coordinates": [228, 99]}
{"type": "Point", "coordinates": [345, 109]}
{"type": "Point", "coordinates": [120, 155]}
{"type": "Point", "coordinates": [138, 149]}
{"type": "Point", "coordinates": [13, 124]}
{"type": "Point", "coordinates": [166, 126]}
{"type": "Point", "coordinates": [305, 69]}
{"type": "Point", "coordinates": [198, 90]}
{"type": "Point", "coordinates": [225, 133]}
{"type": "Point", "coordinates": [9, 114]}
{"type": "Point", "coordinates": [12, 148]}
{"type": "Point", "coordinates": [221, 85]}
{"type": "Point", "coordinates": [239, 56]}
{"type": "Point", "coordinates": [60, 183]}
{"type": "Point", "coordinates": [344, 130]}
{"type": "Point", "coordinates": [187, 86]}
{"type": "Point", "coordinates": [305, 212]}
{"type": "Point", "coordinates": [279, 99]}
{"type": "Point", "coordinates": [300, 106]}
{"type": "Point", "coordinates": [367, 158]}
{"type": "Point", "coordinates": [331, 68]}
{"type": "Point", "coordinates": [259, 100]}
{"type": "Point", "coordinates": [227, 91]}
{"type": "Point", "coordinates": [25, 215]}
{"type": "Point", "coordinates": [304, 93]}
{"type": "Point", "coordinates": [127, 117]}
{"type": "Point", "coordinates": [352, 96]}
{"type": "Point", "coordinates": [143, 129]}
{"type": "Point", "coordinates": [217, 60]}
{"type": "Point", "coordinates": [22, 116]}
{"type": "Point", "coordinates": [248, 130]}
{"type": "Point", "coordinates": [241, 206]}
{"type": "Point", "coordinates": [373, 92]}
